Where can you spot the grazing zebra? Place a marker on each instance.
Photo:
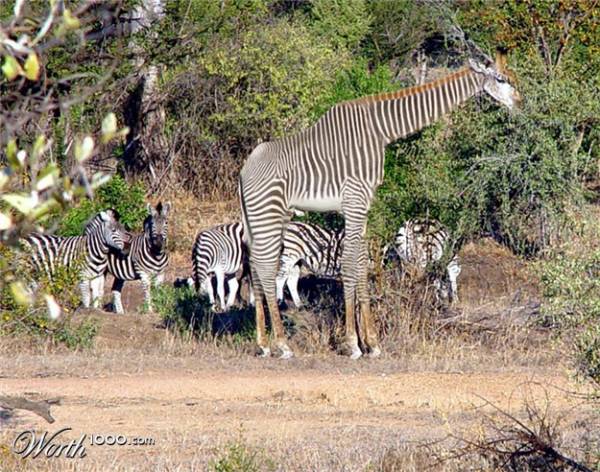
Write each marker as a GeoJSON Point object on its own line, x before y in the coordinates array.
{"type": "Point", "coordinates": [102, 232]}
{"type": "Point", "coordinates": [219, 251]}
{"type": "Point", "coordinates": [420, 243]}
{"type": "Point", "coordinates": [311, 246]}
{"type": "Point", "coordinates": [147, 259]}
{"type": "Point", "coordinates": [336, 165]}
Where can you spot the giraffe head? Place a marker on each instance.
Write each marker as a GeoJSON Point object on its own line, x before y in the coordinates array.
{"type": "Point", "coordinates": [496, 81]}
{"type": "Point", "coordinates": [156, 226]}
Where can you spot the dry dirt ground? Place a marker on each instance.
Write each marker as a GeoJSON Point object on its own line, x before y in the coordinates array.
{"type": "Point", "coordinates": [198, 403]}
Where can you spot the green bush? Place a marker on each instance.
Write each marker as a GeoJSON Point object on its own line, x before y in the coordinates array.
{"type": "Point", "coordinates": [129, 200]}
{"type": "Point", "coordinates": [252, 87]}
{"type": "Point", "coordinates": [570, 283]}
{"type": "Point", "coordinates": [32, 320]}
{"type": "Point", "coordinates": [239, 456]}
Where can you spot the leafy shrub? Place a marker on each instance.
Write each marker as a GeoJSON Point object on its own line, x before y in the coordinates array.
{"type": "Point", "coordinates": [344, 23]}
{"type": "Point", "coordinates": [238, 456]}
{"type": "Point", "coordinates": [570, 280]}
{"type": "Point", "coordinates": [32, 320]}
{"type": "Point", "coordinates": [256, 86]}
{"type": "Point", "coordinates": [128, 199]}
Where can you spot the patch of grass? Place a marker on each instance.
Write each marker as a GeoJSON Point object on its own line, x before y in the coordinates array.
{"type": "Point", "coordinates": [190, 315]}
{"type": "Point", "coordinates": [239, 456]}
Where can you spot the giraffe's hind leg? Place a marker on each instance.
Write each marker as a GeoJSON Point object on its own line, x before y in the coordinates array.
{"type": "Point", "coordinates": [264, 260]}
{"type": "Point", "coordinates": [261, 327]}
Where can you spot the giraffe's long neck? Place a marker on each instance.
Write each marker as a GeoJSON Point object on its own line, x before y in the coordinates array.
{"type": "Point", "coordinates": [398, 114]}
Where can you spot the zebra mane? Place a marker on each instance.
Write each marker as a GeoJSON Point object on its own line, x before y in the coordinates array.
{"type": "Point", "coordinates": [408, 91]}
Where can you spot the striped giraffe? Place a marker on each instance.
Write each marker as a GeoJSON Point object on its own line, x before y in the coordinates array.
{"type": "Point", "coordinates": [336, 165]}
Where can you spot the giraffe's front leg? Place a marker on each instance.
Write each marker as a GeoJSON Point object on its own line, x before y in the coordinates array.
{"type": "Point", "coordinates": [354, 269]}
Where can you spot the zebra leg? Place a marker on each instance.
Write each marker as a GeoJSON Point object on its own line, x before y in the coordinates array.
{"type": "Point", "coordinates": [146, 287]}
{"type": "Point", "coordinates": [234, 286]}
{"type": "Point", "coordinates": [207, 288]}
{"type": "Point", "coordinates": [84, 287]}
{"type": "Point", "coordinates": [279, 284]}
{"type": "Point", "coordinates": [97, 286]}
{"type": "Point", "coordinates": [116, 295]}
{"type": "Point", "coordinates": [221, 288]}
{"type": "Point", "coordinates": [453, 273]}
{"type": "Point", "coordinates": [292, 283]}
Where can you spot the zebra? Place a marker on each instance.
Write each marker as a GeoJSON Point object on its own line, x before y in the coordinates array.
{"type": "Point", "coordinates": [311, 246]}
{"type": "Point", "coordinates": [336, 165]}
{"type": "Point", "coordinates": [147, 259]}
{"type": "Point", "coordinates": [421, 242]}
{"type": "Point", "coordinates": [220, 251]}
{"type": "Point", "coordinates": [102, 233]}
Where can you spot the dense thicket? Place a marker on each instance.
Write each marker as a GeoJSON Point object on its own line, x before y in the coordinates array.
{"type": "Point", "coordinates": [200, 83]}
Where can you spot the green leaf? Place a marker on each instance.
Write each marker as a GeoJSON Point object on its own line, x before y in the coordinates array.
{"type": "Point", "coordinates": [47, 178]}
{"type": "Point", "coordinates": [5, 222]}
{"type": "Point", "coordinates": [20, 294]}
{"type": "Point", "coordinates": [22, 202]}
{"type": "Point", "coordinates": [32, 67]}
{"type": "Point", "coordinates": [84, 149]}
{"type": "Point", "coordinates": [11, 150]}
{"type": "Point", "coordinates": [4, 176]}
{"type": "Point", "coordinates": [70, 21]}
{"type": "Point", "coordinates": [109, 127]}
{"type": "Point", "coordinates": [11, 68]}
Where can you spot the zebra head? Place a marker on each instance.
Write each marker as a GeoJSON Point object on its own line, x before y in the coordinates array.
{"type": "Point", "coordinates": [106, 227]}
{"type": "Point", "coordinates": [495, 83]}
{"type": "Point", "coordinates": [156, 226]}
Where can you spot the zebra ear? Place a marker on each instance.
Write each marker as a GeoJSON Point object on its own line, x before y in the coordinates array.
{"type": "Point", "coordinates": [149, 209]}
{"type": "Point", "coordinates": [104, 216]}
{"type": "Point", "coordinates": [164, 209]}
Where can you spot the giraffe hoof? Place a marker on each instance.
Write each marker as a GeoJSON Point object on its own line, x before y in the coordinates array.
{"type": "Point", "coordinates": [375, 353]}
{"type": "Point", "coordinates": [264, 352]}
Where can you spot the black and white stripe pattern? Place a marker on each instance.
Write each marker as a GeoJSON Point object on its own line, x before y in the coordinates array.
{"type": "Point", "coordinates": [219, 251]}
{"type": "Point", "coordinates": [422, 242]}
{"type": "Point", "coordinates": [336, 165]}
{"type": "Point", "coordinates": [102, 232]}
{"type": "Point", "coordinates": [147, 259]}
{"type": "Point", "coordinates": [311, 246]}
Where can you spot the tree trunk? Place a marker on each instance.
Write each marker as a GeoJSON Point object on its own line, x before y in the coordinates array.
{"type": "Point", "coordinates": [147, 145]}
